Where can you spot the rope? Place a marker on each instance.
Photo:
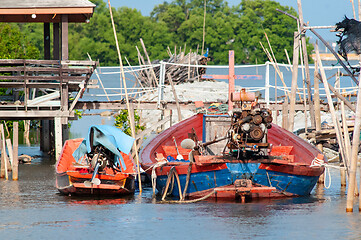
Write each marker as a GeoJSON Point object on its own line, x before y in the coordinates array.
{"type": "Point", "coordinates": [160, 163]}
{"type": "Point", "coordinates": [193, 200]}
{"type": "Point", "coordinates": [321, 163]}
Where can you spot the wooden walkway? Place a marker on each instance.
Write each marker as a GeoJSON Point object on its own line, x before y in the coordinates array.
{"type": "Point", "coordinates": [37, 86]}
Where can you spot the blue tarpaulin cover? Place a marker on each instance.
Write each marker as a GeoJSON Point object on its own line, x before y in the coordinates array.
{"type": "Point", "coordinates": [110, 137]}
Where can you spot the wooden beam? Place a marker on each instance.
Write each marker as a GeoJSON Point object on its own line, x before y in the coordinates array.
{"type": "Point", "coordinates": [56, 41]}
{"type": "Point", "coordinates": [64, 37]}
{"type": "Point", "coordinates": [47, 41]}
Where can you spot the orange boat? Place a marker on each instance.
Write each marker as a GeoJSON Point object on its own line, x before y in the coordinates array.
{"type": "Point", "coordinates": [99, 171]}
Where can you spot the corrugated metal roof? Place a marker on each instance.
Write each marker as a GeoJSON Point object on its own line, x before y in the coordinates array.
{"type": "Point", "coordinates": [10, 4]}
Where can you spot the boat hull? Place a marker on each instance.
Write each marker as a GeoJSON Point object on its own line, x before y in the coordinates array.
{"type": "Point", "coordinates": [289, 176]}
{"type": "Point", "coordinates": [71, 176]}
{"type": "Point", "coordinates": [69, 185]}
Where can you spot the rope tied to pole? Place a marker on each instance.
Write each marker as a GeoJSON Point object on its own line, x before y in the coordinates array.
{"type": "Point", "coordinates": [318, 162]}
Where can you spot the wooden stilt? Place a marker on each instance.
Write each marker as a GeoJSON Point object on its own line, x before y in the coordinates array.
{"type": "Point", "coordinates": [2, 171]}
{"type": "Point", "coordinates": [27, 132]}
{"type": "Point", "coordinates": [354, 153]}
{"type": "Point", "coordinates": [58, 137]}
{"type": "Point", "coordinates": [15, 150]}
{"type": "Point", "coordinates": [10, 151]}
{"type": "Point", "coordinates": [3, 153]}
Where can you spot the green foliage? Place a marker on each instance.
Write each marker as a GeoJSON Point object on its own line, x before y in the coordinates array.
{"type": "Point", "coordinates": [14, 44]}
{"type": "Point", "coordinates": [122, 122]}
{"type": "Point", "coordinates": [178, 23]}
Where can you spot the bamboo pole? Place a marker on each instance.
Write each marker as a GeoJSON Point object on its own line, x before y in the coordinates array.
{"type": "Point", "coordinates": [332, 109]}
{"type": "Point", "coordinates": [204, 25]}
{"type": "Point", "coordinates": [101, 83]}
{"type": "Point", "coordinates": [291, 115]}
{"type": "Point", "coordinates": [354, 153]}
{"type": "Point", "coordinates": [353, 9]}
{"type": "Point", "coordinates": [133, 73]}
{"type": "Point", "coordinates": [342, 98]}
{"type": "Point", "coordinates": [132, 127]}
{"type": "Point", "coordinates": [15, 150]}
{"type": "Point", "coordinates": [321, 179]}
{"type": "Point", "coordinates": [307, 68]}
{"type": "Point", "coordinates": [347, 146]}
{"type": "Point", "coordinates": [287, 94]}
{"type": "Point", "coordinates": [175, 97]}
{"type": "Point", "coordinates": [150, 64]}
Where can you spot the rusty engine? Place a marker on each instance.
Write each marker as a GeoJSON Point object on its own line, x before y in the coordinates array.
{"type": "Point", "coordinates": [248, 132]}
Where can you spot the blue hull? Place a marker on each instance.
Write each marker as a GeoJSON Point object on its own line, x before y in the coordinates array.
{"type": "Point", "coordinates": [294, 184]}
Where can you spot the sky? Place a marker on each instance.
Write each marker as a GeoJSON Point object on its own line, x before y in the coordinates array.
{"type": "Point", "coordinates": [316, 12]}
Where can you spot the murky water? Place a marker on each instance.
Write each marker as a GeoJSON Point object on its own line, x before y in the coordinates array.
{"type": "Point", "coordinates": [31, 208]}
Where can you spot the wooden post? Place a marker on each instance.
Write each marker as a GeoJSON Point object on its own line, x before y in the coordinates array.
{"type": "Point", "coordinates": [354, 153]}
{"type": "Point", "coordinates": [316, 98]}
{"type": "Point", "coordinates": [58, 137]}
{"type": "Point", "coordinates": [3, 153]}
{"type": "Point", "coordinates": [294, 82]}
{"type": "Point", "coordinates": [231, 87]}
{"type": "Point", "coordinates": [307, 69]}
{"type": "Point", "coordinates": [2, 170]}
{"type": "Point", "coordinates": [64, 37]}
{"type": "Point", "coordinates": [285, 114]}
{"type": "Point", "coordinates": [132, 127]}
{"type": "Point", "coordinates": [175, 97]}
{"type": "Point", "coordinates": [56, 41]}
{"type": "Point", "coordinates": [15, 150]}
{"type": "Point", "coordinates": [347, 144]}
{"type": "Point", "coordinates": [27, 132]}
{"type": "Point", "coordinates": [46, 41]}
{"type": "Point", "coordinates": [10, 151]}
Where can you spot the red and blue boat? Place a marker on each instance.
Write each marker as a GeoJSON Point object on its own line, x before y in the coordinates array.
{"type": "Point", "coordinates": [254, 158]}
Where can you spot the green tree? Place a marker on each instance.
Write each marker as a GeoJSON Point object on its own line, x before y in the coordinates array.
{"type": "Point", "coordinates": [14, 44]}
{"type": "Point", "coordinates": [122, 122]}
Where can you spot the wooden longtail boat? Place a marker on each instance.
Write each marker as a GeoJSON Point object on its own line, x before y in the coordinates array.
{"type": "Point", "coordinates": [101, 170]}
{"type": "Point", "coordinates": [285, 167]}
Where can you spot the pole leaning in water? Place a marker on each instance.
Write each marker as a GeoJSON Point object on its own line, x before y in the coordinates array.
{"type": "Point", "coordinates": [130, 113]}
{"type": "Point", "coordinates": [354, 153]}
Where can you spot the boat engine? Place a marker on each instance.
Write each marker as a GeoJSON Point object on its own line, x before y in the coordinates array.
{"type": "Point", "coordinates": [248, 132]}
{"type": "Point", "coordinates": [102, 157]}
